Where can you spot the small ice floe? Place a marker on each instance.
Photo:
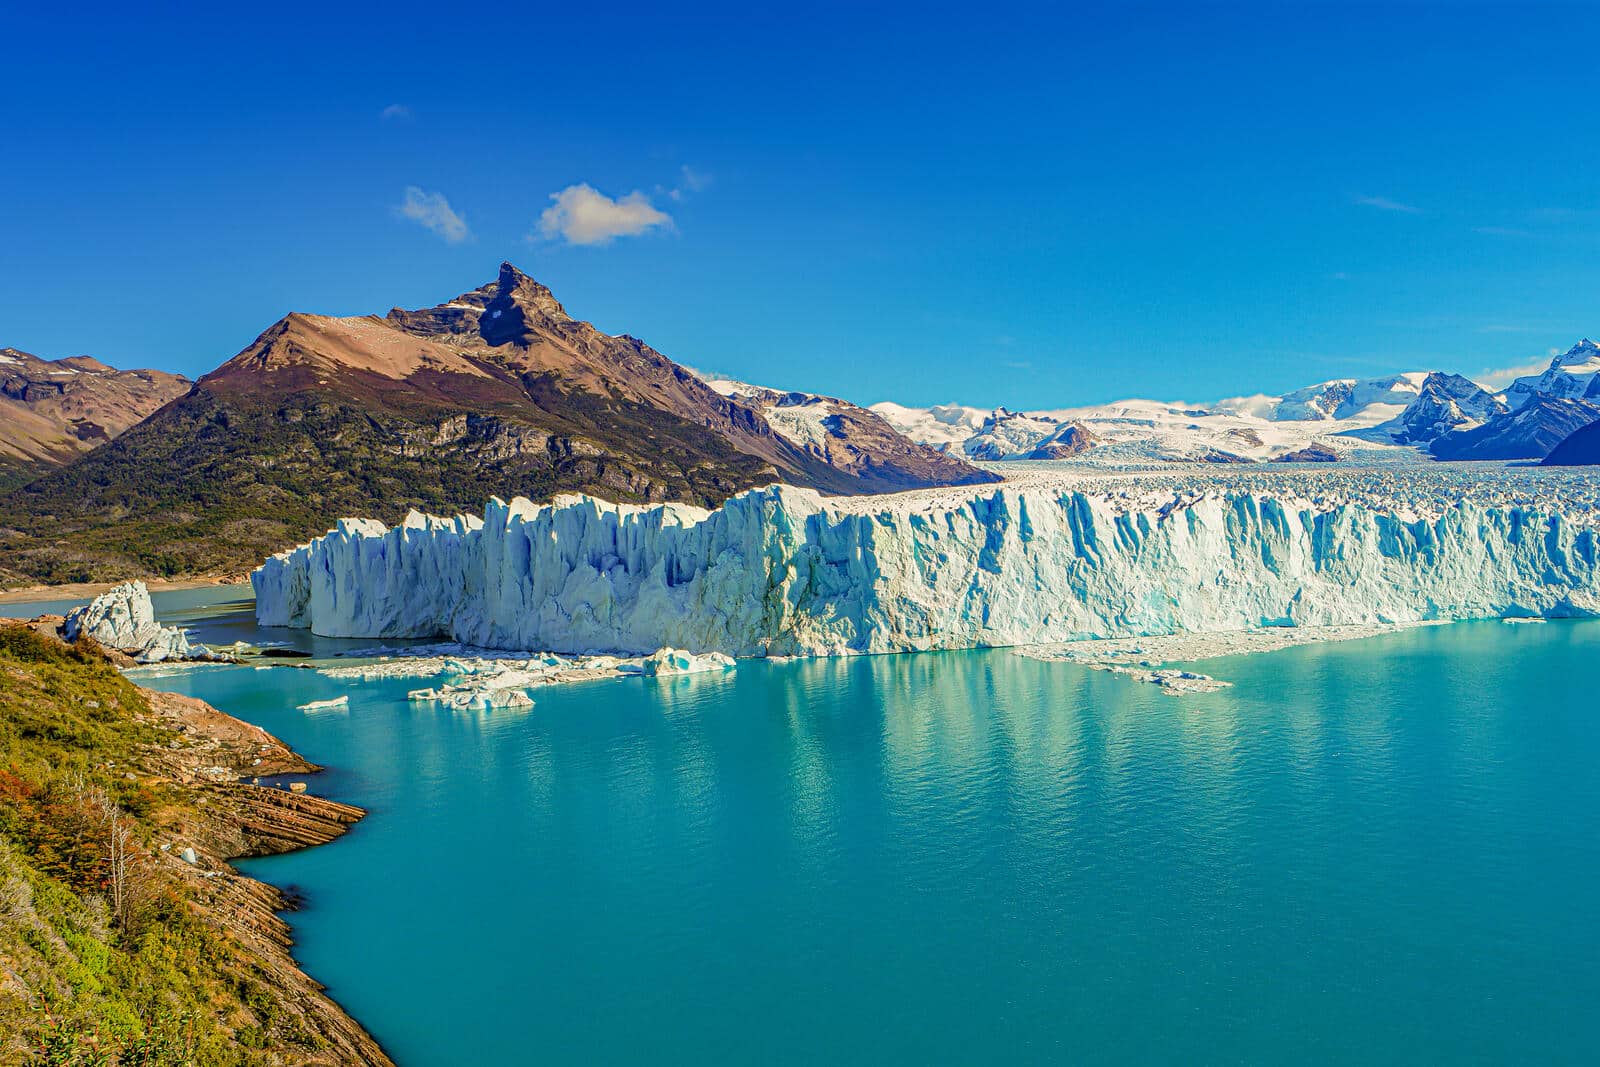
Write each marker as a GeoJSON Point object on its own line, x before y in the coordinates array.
{"type": "Point", "coordinates": [1521, 620]}
{"type": "Point", "coordinates": [341, 701]}
{"type": "Point", "coordinates": [666, 661]}
{"type": "Point", "coordinates": [1172, 681]}
{"type": "Point", "coordinates": [480, 695]}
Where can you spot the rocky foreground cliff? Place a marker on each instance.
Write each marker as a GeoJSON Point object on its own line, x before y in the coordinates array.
{"type": "Point", "coordinates": [125, 937]}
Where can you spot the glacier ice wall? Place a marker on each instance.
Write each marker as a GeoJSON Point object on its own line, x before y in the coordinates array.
{"type": "Point", "coordinates": [782, 571]}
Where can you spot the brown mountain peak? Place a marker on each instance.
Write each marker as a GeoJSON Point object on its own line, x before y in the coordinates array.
{"type": "Point", "coordinates": [509, 310]}
{"type": "Point", "coordinates": [515, 287]}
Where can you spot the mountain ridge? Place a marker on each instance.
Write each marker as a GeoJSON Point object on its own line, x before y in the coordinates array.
{"type": "Point", "coordinates": [52, 411]}
{"type": "Point", "coordinates": [496, 392]}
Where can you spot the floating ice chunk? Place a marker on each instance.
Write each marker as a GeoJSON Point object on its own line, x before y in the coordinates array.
{"type": "Point", "coordinates": [676, 661]}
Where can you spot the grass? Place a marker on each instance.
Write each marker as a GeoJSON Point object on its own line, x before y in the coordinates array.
{"type": "Point", "coordinates": [81, 982]}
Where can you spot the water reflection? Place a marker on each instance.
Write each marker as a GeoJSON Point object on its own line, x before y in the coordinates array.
{"type": "Point", "coordinates": [1357, 848]}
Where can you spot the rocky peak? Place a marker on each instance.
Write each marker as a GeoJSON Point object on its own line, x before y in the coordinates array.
{"type": "Point", "coordinates": [1584, 351]}
{"type": "Point", "coordinates": [508, 310]}
{"type": "Point", "coordinates": [518, 288]}
{"type": "Point", "coordinates": [517, 304]}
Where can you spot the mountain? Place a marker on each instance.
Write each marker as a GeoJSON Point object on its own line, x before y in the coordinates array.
{"type": "Point", "coordinates": [52, 411]}
{"type": "Point", "coordinates": [1013, 435]}
{"type": "Point", "coordinates": [1444, 403]}
{"type": "Point", "coordinates": [1581, 448]}
{"type": "Point", "coordinates": [1339, 400]}
{"type": "Point", "coordinates": [1319, 423]}
{"type": "Point", "coordinates": [1572, 375]}
{"type": "Point", "coordinates": [945, 427]}
{"type": "Point", "coordinates": [1240, 430]}
{"type": "Point", "coordinates": [496, 392]}
{"type": "Point", "coordinates": [1068, 439]}
{"type": "Point", "coordinates": [1529, 432]}
{"type": "Point", "coordinates": [851, 438]}
{"type": "Point", "coordinates": [1009, 435]}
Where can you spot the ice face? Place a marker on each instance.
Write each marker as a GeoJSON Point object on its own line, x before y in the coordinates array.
{"type": "Point", "coordinates": [783, 571]}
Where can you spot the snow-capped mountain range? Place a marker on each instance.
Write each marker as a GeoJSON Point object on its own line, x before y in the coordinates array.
{"type": "Point", "coordinates": [1445, 414]}
{"type": "Point", "coordinates": [1572, 375]}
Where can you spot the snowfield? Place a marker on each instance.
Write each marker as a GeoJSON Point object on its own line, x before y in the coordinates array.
{"type": "Point", "coordinates": [1058, 553]}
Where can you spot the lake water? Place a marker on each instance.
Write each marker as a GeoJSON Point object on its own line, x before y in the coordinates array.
{"type": "Point", "coordinates": [1382, 850]}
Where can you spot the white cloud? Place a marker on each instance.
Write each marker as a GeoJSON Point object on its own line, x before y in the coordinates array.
{"type": "Point", "coordinates": [1496, 380]}
{"type": "Point", "coordinates": [1383, 203]}
{"type": "Point", "coordinates": [395, 113]}
{"type": "Point", "coordinates": [433, 211]}
{"type": "Point", "coordinates": [582, 215]}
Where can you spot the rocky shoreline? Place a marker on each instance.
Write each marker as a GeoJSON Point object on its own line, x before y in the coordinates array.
{"type": "Point", "coordinates": [206, 766]}
{"type": "Point", "coordinates": [240, 820]}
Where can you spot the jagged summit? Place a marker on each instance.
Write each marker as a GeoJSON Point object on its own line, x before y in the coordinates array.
{"type": "Point", "coordinates": [512, 309]}
{"type": "Point", "coordinates": [1581, 352]}
{"type": "Point", "coordinates": [1571, 375]}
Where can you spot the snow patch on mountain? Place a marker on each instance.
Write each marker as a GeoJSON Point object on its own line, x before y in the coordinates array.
{"type": "Point", "coordinates": [802, 418]}
{"type": "Point", "coordinates": [1571, 375]}
{"type": "Point", "coordinates": [943, 426]}
{"type": "Point", "coordinates": [1142, 431]}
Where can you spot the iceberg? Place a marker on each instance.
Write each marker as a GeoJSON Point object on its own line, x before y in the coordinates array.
{"type": "Point", "coordinates": [785, 571]}
{"type": "Point", "coordinates": [123, 618]}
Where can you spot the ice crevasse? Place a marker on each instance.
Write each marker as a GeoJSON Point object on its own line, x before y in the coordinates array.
{"type": "Point", "coordinates": [784, 571]}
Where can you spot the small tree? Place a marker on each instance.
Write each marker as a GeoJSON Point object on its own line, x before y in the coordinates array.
{"type": "Point", "coordinates": [121, 865]}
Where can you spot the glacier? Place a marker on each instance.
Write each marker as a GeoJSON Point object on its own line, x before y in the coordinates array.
{"type": "Point", "coordinates": [785, 571]}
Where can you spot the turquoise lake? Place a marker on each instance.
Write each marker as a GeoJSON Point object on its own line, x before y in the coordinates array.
{"type": "Point", "coordinates": [1383, 850]}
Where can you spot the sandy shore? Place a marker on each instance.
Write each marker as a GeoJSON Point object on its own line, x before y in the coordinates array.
{"type": "Point", "coordinates": [87, 590]}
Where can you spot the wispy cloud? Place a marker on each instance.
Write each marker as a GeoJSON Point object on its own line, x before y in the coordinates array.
{"type": "Point", "coordinates": [433, 211]}
{"type": "Point", "coordinates": [582, 215]}
{"type": "Point", "coordinates": [1501, 231]}
{"type": "Point", "coordinates": [690, 180]}
{"type": "Point", "coordinates": [395, 113]}
{"type": "Point", "coordinates": [1383, 203]}
{"type": "Point", "coordinates": [695, 181]}
{"type": "Point", "coordinates": [1496, 380]}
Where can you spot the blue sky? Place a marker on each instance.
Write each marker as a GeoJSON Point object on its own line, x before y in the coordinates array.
{"type": "Point", "coordinates": [997, 205]}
